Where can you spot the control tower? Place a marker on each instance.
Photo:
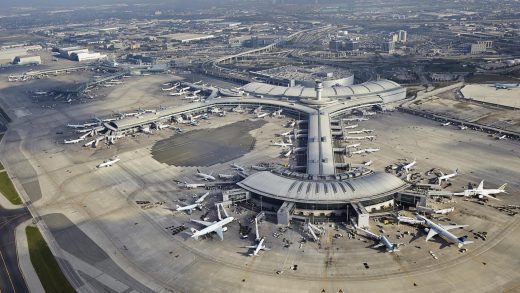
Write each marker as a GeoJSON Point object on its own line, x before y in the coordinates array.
{"type": "Point", "coordinates": [318, 88]}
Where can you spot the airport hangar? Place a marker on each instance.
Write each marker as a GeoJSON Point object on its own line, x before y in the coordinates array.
{"type": "Point", "coordinates": [321, 188]}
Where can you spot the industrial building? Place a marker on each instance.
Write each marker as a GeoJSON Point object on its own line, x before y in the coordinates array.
{"type": "Point", "coordinates": [23, 60]}
{"type": "Point", "coordinates": [79, 54]}
{"type": "Point", "coordinates": [8, 54]}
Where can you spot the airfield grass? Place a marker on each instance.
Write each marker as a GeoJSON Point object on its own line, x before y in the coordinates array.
{"type": "Point", "coordinates": [45, 264]}
{"type": "Point", "coordinates": [7, 189]}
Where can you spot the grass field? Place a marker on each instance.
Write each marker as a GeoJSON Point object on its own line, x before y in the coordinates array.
{"type": "Point", "coordinates": [45, 264]}
{"type": "Point", "coordinates": [7, 189]}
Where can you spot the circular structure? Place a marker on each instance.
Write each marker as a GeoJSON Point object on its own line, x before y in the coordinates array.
{"type": "Point", "coordinates": [306, 75]}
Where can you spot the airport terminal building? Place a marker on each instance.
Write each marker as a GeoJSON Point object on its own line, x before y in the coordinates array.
{"type": "Point", "coordinates": [321, 185]}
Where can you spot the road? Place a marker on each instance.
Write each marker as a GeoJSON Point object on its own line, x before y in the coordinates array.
{"type": "Point", "coordinates": [11, 278]}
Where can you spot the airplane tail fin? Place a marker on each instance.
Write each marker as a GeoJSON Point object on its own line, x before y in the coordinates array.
{"type": "Point", "coordinates": [462, 241]}
{"type": "Point", "coordinates": [503, 187]}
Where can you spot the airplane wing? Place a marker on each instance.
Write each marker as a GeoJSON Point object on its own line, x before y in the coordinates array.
{"type": "Point", "coordinates": [202, 198]}
{"type": "Point", "coordinates": [220, 233]}
{"type": "Point", "coordinates": [431, 233]}
{"type": "Point", "coordinates": [204, 223]}
{"type": "Point", "coordinates": [378, 245]}
{"type": "Point", "coordinates": [250, 246]}
{"type": "Point", "coordinates": [451, 227]}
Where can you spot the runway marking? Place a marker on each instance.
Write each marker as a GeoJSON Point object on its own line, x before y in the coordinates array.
{"type": "Point", "coordinates": [7, 271]}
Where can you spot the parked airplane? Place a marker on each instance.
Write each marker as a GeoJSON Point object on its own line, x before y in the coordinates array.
{"type": "Point", "coordinates": [355, 119]}
{"type": "Point", "coordinates": [72, 141]}
{"type": "Point", "coordinates": [282, 144]}
{"type": "Point", "coordinates": [444, 211]}
{"type": "Point", "coordinates": [259, 242]}
{"type": "Point", "coordinates": [216, 226]}
{"type": "Point", "coordinates": [368, 163]}
{"type": "Point", "coordinates": [204, 176]}
{"type": "Point", "coordinates": [109, 163]}
{"type": "Point", "coordinates": [196, 205]}
{"type": "Point", "coordinates": [383, 241]}
{"type": "Point", "coordinates": [191, 97]}
{"type": "Point", "coordinates": [287, 133]}
{"type": "Point", "coordinates": [355, 132]}
{"type": "Point", "coordinates": [408, 220]}
{"type": "Point", "coordinates": [463, 127]}
{"type": "Point", "coordinates": [355, 145]}
{"type": "Point", "coordinates": [506, 86]}
{"type": "Point", "coordinates": [408, 166]}
{"type": "Point", "coordinates": [76, 125]}
{"type": "Point", "coordinates": [447, 176]}
{"type": "Point", "coordinates": [502, 137]}
{"type": "Point", "coordinates": [237, 167]}
{"type": "Point", "coordinates": [483, 193]}
{"type": "Point", "coordinates": [177, 94]}
{"type": "Point", "coordinates": [372, 150]}
{"type": "Point", "coordinates": [261, 115]}
{"type": "Point", "coordinates": [288, 153]}
{"type": "Point", "coordinates": [446, 124]}
{"type": "Point", "coordinates": [443, 230]}
{"type": "Point", "coordinates": [351, 126]}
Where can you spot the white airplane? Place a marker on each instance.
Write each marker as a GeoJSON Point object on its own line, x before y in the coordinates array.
{"type": "Point", "coordinates": [355, 145]}
{"type": "Point", "coordinates": [355, 119]}
{"type": "Point", "coordinates": [286, 133]}
{"type": "Point", "coordinates": [383, 241]}
{"type": "Point", "coordinates": [444, 211]}
{"type": "Point", "coordinates": [191, 97]}
{"type": "Point", "coordinates": [506, 86]}
{"type": "Point", "coordinates": [447, 176]}
{"type": "Point", "coordinates": [291, 124]}
{"type": "Point", "coordinates": [502, 137]}
{"type": "Point", "coordinates": [196, 205]}
{"type": "Point", "coordinates": [288, 153]}
{"type": "Point", "coordinates": [169, 89]}
{"type": "Point", "coordinates": [372, 150]}
{"type": "Point", "coordinates": [109, 163]}
{"type": "Point", "coordinates": [185, 88]}
{"type": "Point", "coordinates": [282, 144]}
{"type": "Point", "coordinates": [446, 124]}
{"type": "Point", "coordinates": [351, 126]}
{"type": "Point", "coordinates": [226, 176]}
{"type": "Point", "coordinates": [72, 141]}
{"type": "Point", "coordinates": [237, 109]}
{"type": "Point", "coordinates": [257, 110]}
{"type": "Point", "coordinates": [443, 230]}
{"type": "Point", "coordinates": [216, 226]}
{"type": "Point", "coordinates": [193, 185]}
{"type": "Point", "coordinates": [484, 193]}
{"type": "Point", "coordinates": [370, 137]}
{"type": "Point", "coordinates": [355, 132]}
{"type": "Point", "coordinates": [367, 130]}
{"type": "Point", "coordinates": [76, 125]}
{"type": "Point", "coordinates": [259, 242]}
{"type": "Point", "coordinates": [177, 94]}
{"type": "Point", "coordinates": [368, 163]}
{"type": "Point", "coordinates": [237, 167]}
{"type": "Point", "coordinates": [408, 166]}
{"type": "Point", "coordinates": [463, 127]}
{"type": "Point", "coordinates": [277, 113]}
{"type": "Point", "coordinates": [411, 221]}
{"type": "Point", "coordinates": [262, 115]}
{"type": "Point", "coordinates": [204, 176]}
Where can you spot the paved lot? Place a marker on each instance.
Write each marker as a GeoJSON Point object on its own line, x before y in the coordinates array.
{"type": "Point", "coordinates": [134, 249]}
